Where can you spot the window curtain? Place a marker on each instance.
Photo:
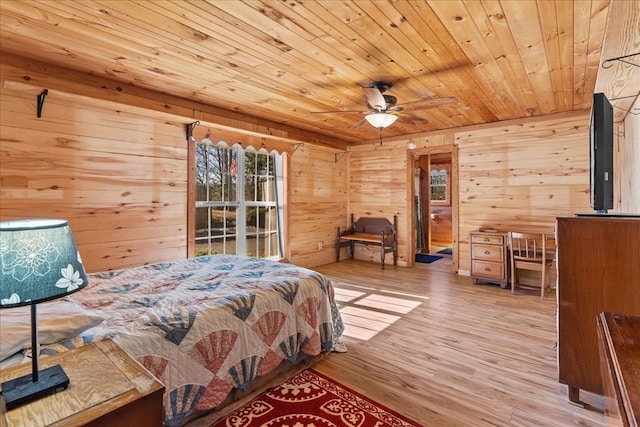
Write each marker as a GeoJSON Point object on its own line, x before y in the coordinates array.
{"type": "Point", "coordinates": [279, 190]}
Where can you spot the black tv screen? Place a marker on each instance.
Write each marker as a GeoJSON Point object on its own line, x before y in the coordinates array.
{"type": "Point", "coordinates": [601, 154]}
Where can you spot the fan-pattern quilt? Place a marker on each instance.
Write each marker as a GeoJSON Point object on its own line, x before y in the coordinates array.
{"type": "Point", "coordinates": [204, 326]}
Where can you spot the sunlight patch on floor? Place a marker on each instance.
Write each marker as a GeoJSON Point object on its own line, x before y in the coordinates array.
{"type": "Point", "coordinates": [405, 294]}
{"type": "Point", "coordinates": [366, 312]}
{"type": "Point", "coordinates": [346, 295]}
{"type": "Point", "coordinates": [365, 324]}
{"type": "Point", "coordinates": [382, 302]}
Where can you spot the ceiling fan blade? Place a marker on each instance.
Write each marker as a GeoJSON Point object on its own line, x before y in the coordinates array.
{"type": "Point", "coordinates": [339, 111]}
{"type": "Point", "coordinates": [414, 120]}
{"type": "Point", "coordinates": [425, 104]}
{"type": "Point", "coordinates": [358, 124]}
{"type": "Point", "coordinates": [374, 98]}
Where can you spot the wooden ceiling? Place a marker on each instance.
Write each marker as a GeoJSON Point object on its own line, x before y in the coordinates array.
{"type": "Point", "coordinates": [283, 60]}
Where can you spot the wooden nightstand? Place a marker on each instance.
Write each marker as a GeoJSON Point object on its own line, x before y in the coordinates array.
{"type": "Point", "coordinates": [107, 388]}
{"type": "Point", "coordinates": [489, 257]}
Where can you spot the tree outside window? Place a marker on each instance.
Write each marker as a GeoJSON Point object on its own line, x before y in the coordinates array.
{"type": "Point", "coordinates": [236, 207]}
{"type": "Point", "coordinates": [439, 186]}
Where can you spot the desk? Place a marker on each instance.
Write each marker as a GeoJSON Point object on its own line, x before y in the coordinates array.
{"type": "Point", "coordinates": [107, 388]}
{"type": "Point", "coordinates": [490, 255]}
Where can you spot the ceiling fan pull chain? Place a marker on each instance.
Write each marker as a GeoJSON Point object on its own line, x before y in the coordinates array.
{"type": "Point", "coordinates": [380, 135]}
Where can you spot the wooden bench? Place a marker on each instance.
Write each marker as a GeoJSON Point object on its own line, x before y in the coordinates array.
{"type": "Point", "coordinates": [370, 231]}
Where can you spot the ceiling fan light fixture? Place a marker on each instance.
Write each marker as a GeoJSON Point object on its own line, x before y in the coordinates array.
{"type": "Point", "coordinates": [381, 120]}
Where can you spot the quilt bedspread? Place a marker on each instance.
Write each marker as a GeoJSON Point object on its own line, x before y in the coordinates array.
{"type": "Point", "coordinates": [204, 326]}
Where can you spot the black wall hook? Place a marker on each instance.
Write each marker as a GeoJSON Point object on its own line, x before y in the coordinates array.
{"type": "Point", "coordinates": [189, 127]}
{"type": "Point", "coordinates": [608, 63]}
{"type": "Point", "coordinates": [41, 97]}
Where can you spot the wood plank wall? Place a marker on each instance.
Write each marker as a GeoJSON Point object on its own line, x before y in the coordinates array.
{"type": "Point", "coordinates": [378, 188]}
{"type": "Point", "coordinates": [120, 180]}
{"type": "Point", "coordinates": [522, 175]}
{"type": "Point", "coordinates": [516, 175]}
{"type": "Point", "coordinates": [318, 195]}
{"type": "Point", "coordinates": [627, 163]}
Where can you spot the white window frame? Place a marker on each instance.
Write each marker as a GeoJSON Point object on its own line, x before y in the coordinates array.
{"type": "Point", "coordinates": [242, 234]}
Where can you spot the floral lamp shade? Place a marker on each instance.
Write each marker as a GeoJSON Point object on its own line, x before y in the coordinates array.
{"type": "Point", "coordinates": [39, 261]}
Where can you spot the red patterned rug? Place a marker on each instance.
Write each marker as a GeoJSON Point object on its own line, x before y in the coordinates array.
{"type": "Point", "coordinates": [311, 399]}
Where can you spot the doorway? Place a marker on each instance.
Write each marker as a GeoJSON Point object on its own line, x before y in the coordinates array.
{"type": "Point", "coordinates": [435, 211]}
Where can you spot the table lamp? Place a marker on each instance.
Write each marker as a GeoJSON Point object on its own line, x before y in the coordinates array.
{"type": "Point", "coordinates": [39, 262]}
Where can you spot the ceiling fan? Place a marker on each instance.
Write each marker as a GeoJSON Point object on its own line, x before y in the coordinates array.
{"type": "Point", "coordinates": [382, 109]}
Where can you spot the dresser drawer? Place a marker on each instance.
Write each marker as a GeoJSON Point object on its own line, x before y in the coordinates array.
{"type": "Point", "coordinates": [487, 269]}
{"type": "Point", "coordinates": [487, 252]}
{"type": "Point", "coordinates": [486, 238]}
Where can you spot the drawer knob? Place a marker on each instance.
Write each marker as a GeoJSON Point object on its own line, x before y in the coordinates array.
{"type": "Point", "coordinates": [487, 269]}
{"type": "Point", "coordinates": [486, 239]}
{"type": "Point", "coordinates": [487, 252]}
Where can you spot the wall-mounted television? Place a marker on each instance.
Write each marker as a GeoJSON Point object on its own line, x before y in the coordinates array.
{"type": "Point", "coordinates": [601, 154]}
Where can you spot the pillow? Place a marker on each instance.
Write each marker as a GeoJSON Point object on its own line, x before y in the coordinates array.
{"type": "Point", "coordinates": [57, 320]}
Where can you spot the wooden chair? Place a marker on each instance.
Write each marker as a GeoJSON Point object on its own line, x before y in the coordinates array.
{"type": "Point", "coordinates": [528, 251]}
{"type": "Point", "coordinates": [550, 244]}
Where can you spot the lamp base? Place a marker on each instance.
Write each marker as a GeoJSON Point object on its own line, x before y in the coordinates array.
{"type": "Point", "coordinates": [21, 390]}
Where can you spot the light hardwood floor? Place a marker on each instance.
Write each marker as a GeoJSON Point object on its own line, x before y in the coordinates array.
{"type": "Point", "coordinates": [445, 352]}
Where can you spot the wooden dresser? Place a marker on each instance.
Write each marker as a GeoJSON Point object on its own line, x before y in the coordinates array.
{"type": "Point", "coordinates": [107, 388]}
{"type": "Point", "coordinates": [619, 344]}
{"type": "Point", "coordinates": [489, 257]}
{"type": "Point", "coordinates": [598, 271]}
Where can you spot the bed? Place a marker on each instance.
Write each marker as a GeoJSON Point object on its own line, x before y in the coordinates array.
{"type": "Point", "coordinates": [209, 326]}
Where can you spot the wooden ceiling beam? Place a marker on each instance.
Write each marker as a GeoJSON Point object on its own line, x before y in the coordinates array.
{"type": "Point", "coordinates": [16, 70]}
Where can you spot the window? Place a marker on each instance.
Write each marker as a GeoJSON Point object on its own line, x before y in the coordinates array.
{"type": "Point", "coordinates": [439, 186]}
{"type": "Point", "coordinates": [235, 201]}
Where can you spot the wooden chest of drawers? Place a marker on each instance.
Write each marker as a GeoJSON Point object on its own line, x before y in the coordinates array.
{"type": "Point", "coordinates": [598, 271]}
{"type": "Point", "coordinates": [619, 346]}
{"type": "Point", "coordinates": [489, 257]}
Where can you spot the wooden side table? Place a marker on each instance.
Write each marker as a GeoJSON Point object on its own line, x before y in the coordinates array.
{"type": "Point", "coordinates": [107, 388]}
{"type": "Point", "coordinates": [489, 257]}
